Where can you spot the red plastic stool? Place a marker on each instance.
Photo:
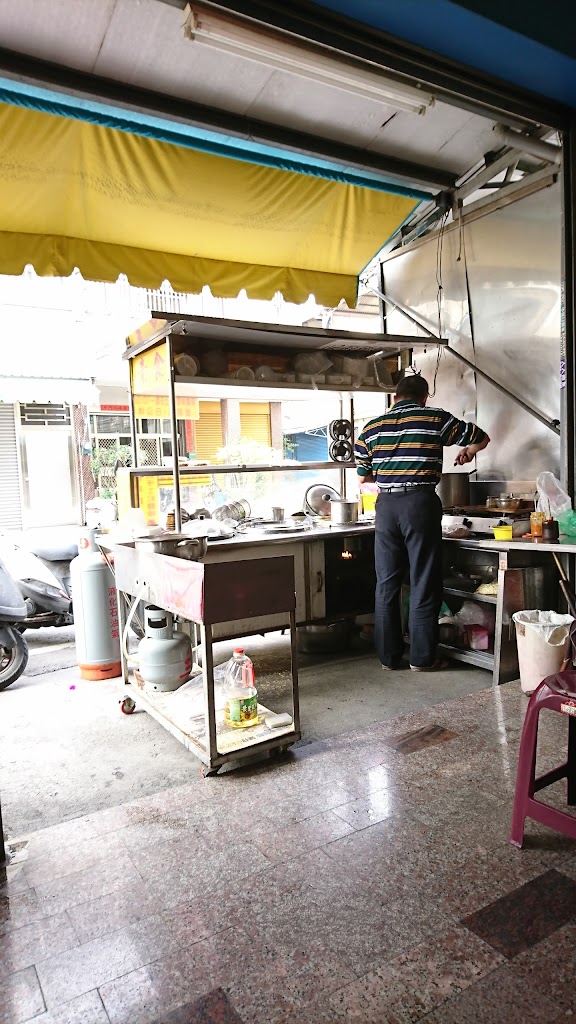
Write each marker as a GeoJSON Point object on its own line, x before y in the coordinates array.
{"type": "Point", "coordinates": [557, 692]}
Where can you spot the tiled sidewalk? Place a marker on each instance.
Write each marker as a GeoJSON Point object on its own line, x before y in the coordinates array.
{"type": "Point", "coordinates": [366, 879]}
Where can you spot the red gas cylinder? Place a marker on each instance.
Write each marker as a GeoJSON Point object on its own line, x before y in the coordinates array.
{"type": "Point", "coordinates": [95, 611]}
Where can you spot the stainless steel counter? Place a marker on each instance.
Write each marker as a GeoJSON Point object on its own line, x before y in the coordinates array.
{"type": "Point", "coordinates": [257, 537]}
{"type": "Point", "coordinates": [566, 545]}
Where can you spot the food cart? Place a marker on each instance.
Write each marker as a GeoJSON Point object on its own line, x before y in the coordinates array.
{"type": "Point", "coordinates": [257, 581]}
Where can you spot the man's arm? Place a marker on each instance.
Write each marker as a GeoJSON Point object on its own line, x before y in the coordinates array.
{"type": "Point", "coordinates": [473, 438]}
{"type": "Point", "coordinates": [469, 452]}
{"type": "Point", "coordinates": [363, 461]}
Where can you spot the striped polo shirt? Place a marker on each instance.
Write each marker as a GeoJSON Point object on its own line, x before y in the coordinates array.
{"type": "Point", "coordinates": [404, 445]}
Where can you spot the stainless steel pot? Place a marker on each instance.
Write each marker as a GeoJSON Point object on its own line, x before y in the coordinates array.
{"type": "Point", "coordinates": [179, 545]}
{"type": "Point", "coordinates": [343, 511]}
{"type": "Point", "coordinates": [454, 490]}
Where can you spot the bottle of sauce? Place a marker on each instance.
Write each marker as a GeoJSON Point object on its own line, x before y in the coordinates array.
{"type": "Point", "coordinates": [550, 530]}
{"type": "Point", "coordinates": [536, 522]}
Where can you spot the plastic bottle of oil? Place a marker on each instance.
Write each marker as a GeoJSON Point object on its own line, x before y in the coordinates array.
{"type": "Point", "coordinates": [241, 700]}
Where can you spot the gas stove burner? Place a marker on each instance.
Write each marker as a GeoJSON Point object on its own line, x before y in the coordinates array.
{"type": "Point", "coordinates": [480, 520]}
{"type": "Point", "coordinates": [483, 512]}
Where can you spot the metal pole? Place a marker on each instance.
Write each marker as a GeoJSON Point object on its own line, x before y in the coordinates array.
{"type": "Point", "coordinates": [174, 433]}
{"type": "Point", "coordinates": [3, 856]}
{"type": "Point", "coordinates": [409, 314]}
{"type": "Point", "coordinates": [132, 422]}
{"type": "Point", "coordinates": [341, 468]}
{"type": "Point", "coordinates": [568, 312]}
{"type": "Point", "coordinates": [551, 424]}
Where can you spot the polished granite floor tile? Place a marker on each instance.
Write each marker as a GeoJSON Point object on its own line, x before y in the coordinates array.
{"type": "Point", "coordinates": [92, 964]}
{"type": "Point", "coordinates": [27, 946]}
{"type": "Point", "coordinates": [20, 997]}
{"type": "Point", "coordinates": [304, 801]}
{"type": "Point", "coordinates": [214, 1008]}
{"type": "Point", "coordinates": [418, 739]}
{"type": "Point", "coordinates": [404, 990]}
{"type": "Point", "coordinates": [54, 840]}
{"type": "Point", "coordinates": [79, 857]}
{"type": "Point", "coordinates": [526, 915]}
{"type": "Point", "coordinates": [59, 894]}
{"type": "Point", "coordinates": [550, 966]}
{"type": "Point", "coordinates": [12, 879]}
{"type": "Point", "coordinates": [290, 841]}
{"type": "Point", "coordinates": [367, 810]}
{"type": "Point", "coordinates": [86, 1009]}
{"type": "Point", "coordinates": [478, 881]}
{"type": "Point", "coordinates": [327, 887]}
{"type": "Point", "coordinates": [499, 998]}
{"type": "Point", "coordinates": [23, 909]}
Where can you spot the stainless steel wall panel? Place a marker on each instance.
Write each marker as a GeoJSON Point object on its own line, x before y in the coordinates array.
{"type": "Point", "coordinates": [513, 260]}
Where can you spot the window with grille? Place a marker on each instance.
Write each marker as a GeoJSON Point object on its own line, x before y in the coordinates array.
{"type": "Point", "coordinates": [106, 423]}
{"type": "Point", "coordinates": [49, 415]}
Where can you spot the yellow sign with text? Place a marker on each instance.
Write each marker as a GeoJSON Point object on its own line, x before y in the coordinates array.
{"type": "Point", "coordinates": [158, 407]}
{"type": "Point", "coordinates": [150, 370]}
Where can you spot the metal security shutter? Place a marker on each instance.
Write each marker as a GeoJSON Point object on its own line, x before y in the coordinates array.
{"type": "Point", "coordinates": [10, 502]}
{"type": "Point", "coordinates": [208, 437]}
{"type": "Point", "coordinates": [255, 422]}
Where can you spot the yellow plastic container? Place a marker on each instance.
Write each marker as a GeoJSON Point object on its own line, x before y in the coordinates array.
{"type": "Point", "coordinates": [502, 532]}
{"type": "Point", "coordinates": [368, 502]}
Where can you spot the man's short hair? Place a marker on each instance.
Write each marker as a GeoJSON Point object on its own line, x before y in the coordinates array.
{"type": "Point", "coordinates": [414, 387]}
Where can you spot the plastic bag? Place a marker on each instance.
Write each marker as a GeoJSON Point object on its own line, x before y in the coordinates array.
{"type": "Point", "coordinates": [474, 614]}
{"type": "Point", "coordinates": [552, 627]}
{"type": "Point", "coordinates": [312, 363]}
{"type": "Point", "coordinates": [552, 497]}
{"type": "Point", "coordinates": [553, 500]}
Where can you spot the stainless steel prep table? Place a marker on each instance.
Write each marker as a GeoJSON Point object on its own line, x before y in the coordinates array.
{"type": "Point", "coordinates": [207, 594]}
{"type": "Point", "coordinates": [527, 578]}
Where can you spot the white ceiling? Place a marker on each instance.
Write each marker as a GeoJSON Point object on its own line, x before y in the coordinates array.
{"type": "Point", "coordinates": [141, 42]}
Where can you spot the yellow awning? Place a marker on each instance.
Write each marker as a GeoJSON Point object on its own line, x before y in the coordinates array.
{"type": "Point", "coordinates": [81, 195]}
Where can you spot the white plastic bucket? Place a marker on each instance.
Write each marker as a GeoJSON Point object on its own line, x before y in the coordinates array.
{"type": "Point", "coordinates": [541, 640]}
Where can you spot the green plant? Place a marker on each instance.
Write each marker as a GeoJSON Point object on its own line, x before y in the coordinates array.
{"type": "Point", "coordinates": [245, 452]}
{"type": "Point", "coordinates": [103, 464]}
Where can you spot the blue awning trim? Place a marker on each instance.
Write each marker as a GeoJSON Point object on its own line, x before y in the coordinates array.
{"type": "Point", "coordinates": [442, 27]}
{"type": "Point", "coordinates": [163, 130]}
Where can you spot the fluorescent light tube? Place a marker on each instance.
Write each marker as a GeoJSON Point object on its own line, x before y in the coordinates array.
{"type": "Point", "coordinates": [282, 56]}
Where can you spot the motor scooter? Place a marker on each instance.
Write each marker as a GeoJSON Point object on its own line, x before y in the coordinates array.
{"type": "Point", "coordinates": [13, 646]}
{"type": "Point", "coordinates": [41, 570]}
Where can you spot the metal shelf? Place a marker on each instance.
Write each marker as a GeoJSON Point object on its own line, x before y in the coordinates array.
{"type": "Point", "coordinates": [210, 470]}
{"type": "Point", "coordinates": [385, 389]}
{"type": "Point", "coordinates": [471, 595]}
{"type": "Point", "coordinates": [482, 659]}
{"type": "Point", "coordinates": [275, 336]}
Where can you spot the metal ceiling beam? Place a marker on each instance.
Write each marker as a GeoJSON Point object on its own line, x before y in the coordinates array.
{"type": "Point", "coordinates": [132, 98]}
{"type": "Point", "coordinates": [421, 321]}
{"type": "Point", "coordinates": [497, 200]}
{"type": "Point", "coordinates": [487, 173]}
{"type": "Point", "coordinates": [450, 81]}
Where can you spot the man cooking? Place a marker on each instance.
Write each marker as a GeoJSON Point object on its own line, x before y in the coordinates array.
{"type": "Point", "coordinates": [401, 451]}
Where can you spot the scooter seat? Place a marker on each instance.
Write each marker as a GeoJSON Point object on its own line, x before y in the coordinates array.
{"type": "Point", "coordinates": [54, 553]}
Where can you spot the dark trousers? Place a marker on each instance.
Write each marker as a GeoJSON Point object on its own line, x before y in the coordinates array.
{"type": "Point", "coordinates": [408, 535]}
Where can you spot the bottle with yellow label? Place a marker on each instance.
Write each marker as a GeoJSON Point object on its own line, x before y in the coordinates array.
{"type": "Point", "coordinates": [241, 699]}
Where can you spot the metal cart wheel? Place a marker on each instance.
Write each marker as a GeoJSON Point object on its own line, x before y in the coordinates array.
{"type": "Point", "coordinates": [277, 753]}
{"type": "Point", "coordinates": [127, 706]}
